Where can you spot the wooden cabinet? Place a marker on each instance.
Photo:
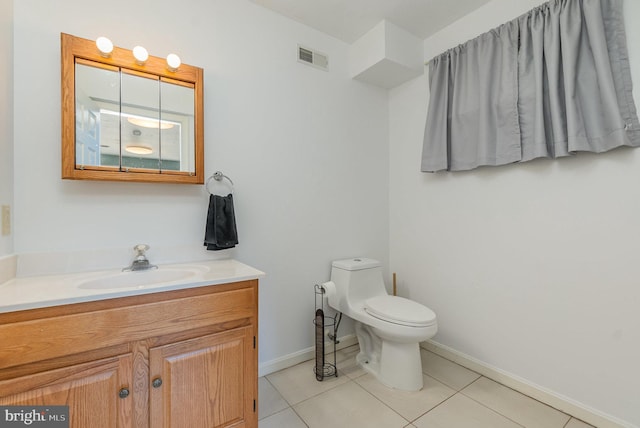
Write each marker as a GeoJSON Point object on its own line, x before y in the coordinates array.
{"type": "Point", "coordinates": [86, 388]}
{"type": "Point", "coordinates": [184, 358]}
{"type": "Point", "coordinates": [202, 382]}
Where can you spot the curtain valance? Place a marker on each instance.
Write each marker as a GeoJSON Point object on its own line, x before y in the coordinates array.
{"type": "Point", "coordinates": [550, 83]}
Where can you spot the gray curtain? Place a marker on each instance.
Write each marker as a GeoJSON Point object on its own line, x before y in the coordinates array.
{"type": "Point", "coordinates": [551, 83]}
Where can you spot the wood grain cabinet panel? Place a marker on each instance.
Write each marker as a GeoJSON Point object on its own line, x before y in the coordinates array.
{"type": "Point", "coordinates": [91, 390]}
{"type": "Point", "coordinates": [198, 345]}
{"type": "Point", "coordinates": [203, 382]}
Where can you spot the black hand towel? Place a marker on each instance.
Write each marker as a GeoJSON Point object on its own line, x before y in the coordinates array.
{"type": "Point", "coordinates": [220, 232]}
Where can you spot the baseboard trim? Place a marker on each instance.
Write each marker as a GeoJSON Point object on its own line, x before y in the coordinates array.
{"type": "Point", "coordinates": [553, 399]}
{"type": "Point", "coordinates": [301, 356]}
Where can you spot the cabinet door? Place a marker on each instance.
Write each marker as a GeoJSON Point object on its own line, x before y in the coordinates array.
{"type": "Point", "coordinates": [207, 382]}
{"type": "Point", "coordinates": [91, 390]}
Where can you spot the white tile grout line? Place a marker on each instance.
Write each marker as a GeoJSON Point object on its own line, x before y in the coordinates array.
{"type": "Point", "coordinates": [284, 410]}
{"type": "Point", "coordinates": [495, 410]}
{"type": "Point", "coordinates": [437, 405]}
{"type": "Point", "coordinates": [275, 389]}
{"type": "Point", "coordinates": [483, 405]}
{"type": "Point", "coordinates": [385, 404]}
{"type": "Point", "coordinates": [521, 393]}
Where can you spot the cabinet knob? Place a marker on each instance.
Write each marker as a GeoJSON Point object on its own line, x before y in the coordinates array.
{"type": "Point", "coordinates": [157, 382]}
{"type": "Point", "coordinates": [123, 393]}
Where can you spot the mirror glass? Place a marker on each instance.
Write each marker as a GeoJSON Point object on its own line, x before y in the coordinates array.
{"type": "Point", "coordinates": [127, 121]}
{"type": "Point", "coordinates": [133, 121]}
{"type": "Point", "coordinates": [177, 135]}
{"type": "Point", "coordinates": [139, 122]}
{"type": "Point", "coordinates": [94, 86]}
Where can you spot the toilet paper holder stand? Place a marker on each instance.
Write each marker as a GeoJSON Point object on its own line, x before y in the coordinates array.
{"type": "Point", "coordinates": [325, 326]}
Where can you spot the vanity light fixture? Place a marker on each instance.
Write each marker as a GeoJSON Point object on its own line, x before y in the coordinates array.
{"type": "Point", "coordinates": [173, 62]}
{"type": "Point", "coordinates": [139, 150]}
{"type": "Point", "coordinates": [105, 46]}
{"type": "Point", "coordinates": [141, 55]}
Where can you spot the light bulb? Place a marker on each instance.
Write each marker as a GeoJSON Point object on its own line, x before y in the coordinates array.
{"type": "Point", "coordinates": [140, 54]}
{"type": "Point", "coordinates": [104, 46]}
{"type": "Point", "coordinates": [173, 62]}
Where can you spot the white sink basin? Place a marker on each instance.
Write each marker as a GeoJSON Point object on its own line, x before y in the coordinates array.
{"type": "Point", "coordinates": [140, 278]}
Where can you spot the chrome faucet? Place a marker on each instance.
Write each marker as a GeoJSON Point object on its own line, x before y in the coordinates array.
{"type": "Point", "coordinates": [140, 262]}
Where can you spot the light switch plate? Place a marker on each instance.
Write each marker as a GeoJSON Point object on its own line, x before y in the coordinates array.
{"type": "Point", "coordinates": [6, 220]}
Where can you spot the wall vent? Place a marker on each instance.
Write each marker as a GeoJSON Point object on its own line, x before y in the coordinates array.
{"type": "Point", "coordinates": [313, 58]}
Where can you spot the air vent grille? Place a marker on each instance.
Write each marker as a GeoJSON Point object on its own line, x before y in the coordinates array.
{"type": "Point", "coordinates": [305, 55]}
{"type": "Point", "coordinates": [313, 58]}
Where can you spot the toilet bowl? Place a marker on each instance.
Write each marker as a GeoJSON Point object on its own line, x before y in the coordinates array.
{"type": "Point", "coordinates": [389, 328]}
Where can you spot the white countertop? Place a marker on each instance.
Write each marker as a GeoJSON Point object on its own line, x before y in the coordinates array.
{"type": "Point", "coordinates": [53, 290]}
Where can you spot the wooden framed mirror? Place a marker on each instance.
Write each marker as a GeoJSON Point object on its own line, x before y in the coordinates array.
{"type": "Point", "coordinates": [124, 120]}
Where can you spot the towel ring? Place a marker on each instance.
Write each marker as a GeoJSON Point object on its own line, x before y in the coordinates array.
{"type": "Point", "coordinates": [218, 176]}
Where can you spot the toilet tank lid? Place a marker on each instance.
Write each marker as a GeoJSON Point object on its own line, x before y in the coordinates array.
{"type": "Point", "coordinates": [356, 263]}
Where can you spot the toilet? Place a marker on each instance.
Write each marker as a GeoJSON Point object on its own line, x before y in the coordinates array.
{"type": "Point", "coordinates": [389, 328]}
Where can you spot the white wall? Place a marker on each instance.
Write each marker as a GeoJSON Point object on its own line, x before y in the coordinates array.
{"type": "Point", "coordinates": [531, 268]}
{"type": "Point", "coordinates": [6, 115]}
{"type": "Point", "coordinates": [307, 149]}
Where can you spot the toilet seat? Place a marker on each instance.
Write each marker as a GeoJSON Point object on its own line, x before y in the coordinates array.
{"type": "Point", "coordinates": [399, 310]}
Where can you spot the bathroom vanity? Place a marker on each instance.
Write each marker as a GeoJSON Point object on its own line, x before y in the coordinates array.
{"type": "Point", "coordinates": [179, 354]}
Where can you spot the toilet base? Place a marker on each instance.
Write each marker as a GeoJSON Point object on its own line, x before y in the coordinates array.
{"type": "Point", "coordinates": [396, 365]}
{"type": "Point", "coordinates": [401, 366]}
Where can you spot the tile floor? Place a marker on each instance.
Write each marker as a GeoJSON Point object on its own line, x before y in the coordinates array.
{"type": "Point", "coordinates": [453, 397]}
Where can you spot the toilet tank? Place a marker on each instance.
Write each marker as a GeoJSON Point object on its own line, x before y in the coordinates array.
{"type": "Point", "coordinates": [356, 280]}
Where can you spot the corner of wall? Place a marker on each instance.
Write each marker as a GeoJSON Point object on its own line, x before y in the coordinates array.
{"type": "Point", "coordinates": [6, 118]}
